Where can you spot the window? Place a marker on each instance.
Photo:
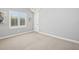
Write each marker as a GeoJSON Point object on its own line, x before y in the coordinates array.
{"type": "Point", "coordinates": [14, 21]}
{"type": "Point", "coordinates": [22, 21]}
{"type": "Point", "coordinates": [17, 19]}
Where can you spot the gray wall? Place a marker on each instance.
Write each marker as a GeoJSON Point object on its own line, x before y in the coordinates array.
{"type": "Point", "coordinates": [62, 22]}
{"type": "Point", "coordinates": [4, 28]}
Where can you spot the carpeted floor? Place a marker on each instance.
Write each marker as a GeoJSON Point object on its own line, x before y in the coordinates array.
{"type": "Point", "coordinates": [36, 41]}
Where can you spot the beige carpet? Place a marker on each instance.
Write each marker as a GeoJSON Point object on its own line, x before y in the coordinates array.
{"type": "Point", "coordinates": [36, 41]}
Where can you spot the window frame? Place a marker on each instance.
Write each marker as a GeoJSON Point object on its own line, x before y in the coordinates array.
{"type": "Point", "coordinates": [18, 26]}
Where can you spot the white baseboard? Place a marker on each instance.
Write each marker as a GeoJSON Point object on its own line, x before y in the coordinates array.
{"type": "Point", "coordinates": [59, 37]}
{"type": "Point", "coordinates": [70, 40]}
{"type": "Point", "coordinates": [4, 37]}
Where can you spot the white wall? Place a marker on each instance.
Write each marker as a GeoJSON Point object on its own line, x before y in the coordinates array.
{"type": "Point", "coordinates": [62, 22]}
